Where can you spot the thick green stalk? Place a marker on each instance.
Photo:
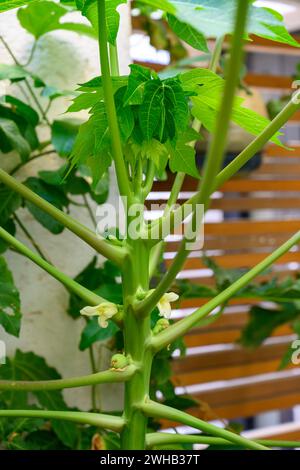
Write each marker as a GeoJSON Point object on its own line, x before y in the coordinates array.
{"type": "Point", "coordinates": [115, 136]}
{"type": "Point", "coordinates": [156, 410]}
{"type": "Point", "coordinates": [163, 439]}
{"type": "Point", "coordinates": [114, 60]}
{"type": "Point", "coordinates": [114, 423]}
{"type": "Point", "coordinates": [108, 376]}
{"type": "Point", "coordinates": [137, 332]}
{"type": "Point", "coordinates": [113, 253]}
{"type": "Point", "coordinates": [181, 327]}
{"type": "Point", "coordinates": [82, 292]}
{"type": "Point", "coordinates": [215, 155]}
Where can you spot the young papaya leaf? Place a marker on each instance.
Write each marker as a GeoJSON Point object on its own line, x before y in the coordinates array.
{"type": "Point", "coordinates": [164, 109]}
{"type": "Point", "coordinates": [10, 315]}
{"type": "Point", "coordinates": [41, 17]}
{"type": "Point", "coordinates": [208, 88]}
{"type": "Point", "coordinates": [164, 5]}
{"type": "Point", "coordinates": [90, 10]}
{"type": "Point", "coordinates": [215, 18]}
{"type": "Point", "coordinates": [93, 333]}
{"type": "Point", "coordinates": [136, 84]}
{"type": "Point", "coordinates": [11, 4]}
{"type": "Point", "coordinates": [188, 34]}
{"type": "Point", "coordinates": [96, 83]}
{"type": "Point", "coordinates": [92, 144]}
{"type": "Point", "coordinates": [85, 101]}
{"type": "Point", "coordinates": [10, 131]}
{"type": "Point", "coordinates": [53, 194]}
{"type": "Point", "coordinates": [183, 158]}
{"type": "Point", "coordinates": [63, 135]}
{"type": "Point", "coordinates": [29, 366]}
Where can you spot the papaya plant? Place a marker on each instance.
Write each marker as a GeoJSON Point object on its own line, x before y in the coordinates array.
{"type": "Point", "coordinates": [143, 124]}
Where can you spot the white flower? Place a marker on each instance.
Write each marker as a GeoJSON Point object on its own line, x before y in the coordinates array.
{"type": "Point", "coordinates": [104, 311]}
{"type": "Point", "coordinates": [164, 305]}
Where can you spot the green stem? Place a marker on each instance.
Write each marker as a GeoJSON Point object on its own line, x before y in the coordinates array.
{"type": "Point", "coordinates": [137, 331]}
{"type": "Point", "coordinates": [116, 254]}
{"type": "Point", "coordinates": [29, 236]}
{"type": "Point", "coordinates": [215, 58]}
{"type": "Point", "coordinates": [156, 410]}
{"type": "Point", "coordinates": [181, 327]}
{"type": "Point", "coordinates": [109, 376]}
{"type": "Point", "coordinates": [114, 60]}
{"type": "Point", "coordinates": [94, 370]}
{"type": "Point", "coordinates": [114, 423]}
{"type": "Point", "coordinates": [116, 143]}
{"type": "Point", "coordinates": [162, 439]}
{"type": "Point", "coordinates": [73, 286]}
{"type": "Point", "coordinates": [31, 54]}
{"type": "Point", "coordinates": [149, 179]}
{"type": "Point", "coordinates": [215, 155]}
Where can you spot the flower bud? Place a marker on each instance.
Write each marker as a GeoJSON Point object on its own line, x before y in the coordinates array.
{"type": "Point", "coordinates": [119, 362]}
{"type": "Point", "coordinates": [162, 324]}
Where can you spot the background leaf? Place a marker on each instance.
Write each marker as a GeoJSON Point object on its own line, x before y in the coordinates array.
{"type": "Point", "coordinates": [10, 315]}
{"type": "Point", "coordinates": [29, 366]}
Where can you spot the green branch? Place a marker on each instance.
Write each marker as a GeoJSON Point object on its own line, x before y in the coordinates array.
{"type": "Point", "coordinates": [113, 253]}
{"type": "Point", "coordinates": [82, 292]}
{"type": "Point", "coordinates": [181, 327]}
{"type": "Point", "coordinates": [114, 423]}
{"type": "Point", "coordinates": [156, 410]}
{"type": "Point", "coordinates": [109, 376]}
{"type": "Point", "coordinates": [215, 155]}
{"type": "Point", "coordinates": [115, 137]}
{"type": "Point", "coordinates": [163, 439]}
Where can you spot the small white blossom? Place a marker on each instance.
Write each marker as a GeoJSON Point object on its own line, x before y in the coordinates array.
{"type": "Point", "coordinates": [104, 311]}
{"type": "Point", "coordinates": [164, 305]}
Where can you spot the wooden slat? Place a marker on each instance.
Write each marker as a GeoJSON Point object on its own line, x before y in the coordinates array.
{"type": "Point", "coordinates": [237, 260]}
{"type": "Point", "coordinates": [250, 227]}
{"type": "Point", "coordinates": [275, 151]}
{"type": "Point", "coordinates": [243, 203]}
{"type": "Point", "coordinates": [269, 81]}
{"type": "Point", "coordinates": [234, 357]}
{"type": "Point", "coordinates": [253, 398]}
{"type": "Point", "coordinates": [227, 373]}
{"type": "Point", "coordinates": [235, 185]}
